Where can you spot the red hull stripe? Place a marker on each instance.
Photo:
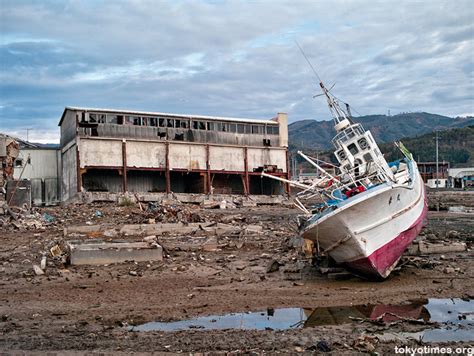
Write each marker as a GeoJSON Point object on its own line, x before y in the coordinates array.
{"type": "Point", "coordinates": [381, 261]}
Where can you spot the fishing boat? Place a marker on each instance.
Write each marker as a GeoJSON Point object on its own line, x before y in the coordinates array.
{"type": "Point", "coordinates": [370, 210]}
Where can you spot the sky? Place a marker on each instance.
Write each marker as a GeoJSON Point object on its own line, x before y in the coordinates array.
{"type": "Point", "coordinates": [231, 58]}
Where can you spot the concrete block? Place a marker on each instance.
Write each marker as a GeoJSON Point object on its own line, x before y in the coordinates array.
{"type": "Point", "coordinates": [83, 230]}
{"type": "Point", "coordinates": [426, 249]}
{"type": "Point", "coordinates": [101, 253]}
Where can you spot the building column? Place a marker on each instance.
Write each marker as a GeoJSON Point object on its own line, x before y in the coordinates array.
{"type": "Point", "coordinates": [288, 173]}
{"type": "Point", "coordinates": [167, 168]}
{"type": "Point", "coordinates": [78, 168]}
{"type": "Point", "coordinates": [246, 167]}
{"type": "Point", "coordinates": [124, 165]}
{"type": "Point", "coordinates": [208, 172]}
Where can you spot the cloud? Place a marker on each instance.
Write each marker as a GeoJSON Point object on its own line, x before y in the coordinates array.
{"type": "Point", "coordinates": [233, 58]}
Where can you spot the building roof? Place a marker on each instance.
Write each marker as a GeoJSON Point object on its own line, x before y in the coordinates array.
{"type": "Point", "coordinates": [151, 113]}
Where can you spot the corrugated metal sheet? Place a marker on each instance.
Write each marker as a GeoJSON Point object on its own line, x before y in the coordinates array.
{"type": "Point", "coordinates": [37, 191]}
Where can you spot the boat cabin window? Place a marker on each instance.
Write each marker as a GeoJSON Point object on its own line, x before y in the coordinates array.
{"type": "Point", "coordinates": [240, 128]}
{"type": "Point", "coordinates": [368, 157]}
{"type": "Point", "coordinates": [353, 148]}
{"type": "Point", "coordinates": [363, 144]}
{"type": "Point", "coordinates": [341, 154]}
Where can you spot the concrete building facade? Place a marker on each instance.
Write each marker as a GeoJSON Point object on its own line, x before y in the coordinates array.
{"type": "Point", "coordinates": [117, 151]}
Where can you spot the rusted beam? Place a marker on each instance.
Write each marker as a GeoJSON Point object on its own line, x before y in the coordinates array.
{"type": "Point", "coordinates": [208, 172]}
{"type": "Point", "coordinates": [288, 187]}
{"type": "Point", "coordinates": [246, 168]}
{"type": "Point", "coordinates": [167, 168]}
{"type": "Point", "coordinates": [243, 184]}
{"type": "Point", "coordinates": [124, 165]}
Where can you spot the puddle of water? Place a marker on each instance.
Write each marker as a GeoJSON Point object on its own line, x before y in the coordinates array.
{"type": "Point", "coordinates": [278, 319]}
{"type": "Point", "coordinates": [455, 315]}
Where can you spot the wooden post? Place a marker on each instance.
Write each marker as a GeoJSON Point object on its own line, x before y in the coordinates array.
{"type": "Point", "coordinates": [246, 167]}
{"type": "Point", "coordinates": [124, 165]}
{"type": "Point", "coordinates": [167, 168]}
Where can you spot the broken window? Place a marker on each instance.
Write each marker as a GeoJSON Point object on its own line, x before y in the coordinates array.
{"type": "Point", "coordinates": [184, 124]}
{"type": "Point", "coordinates": [92, 118]}
{"type": "Point", "coordinates": [266, 142]}
{"type": "Point", "coordinates": [179, 137]}
{"type": "Point", "coordinates": [101, 118]}
{"type": "Point", "coordinates": [273, 130]}
{"type": "Point", "coordinates": [202, 125]}
{"type": "Point", "coordinates": [169, 123]}
{"type": "Point", "coordinates": [161, 121]}
{"type": "Point", "coordinates": [19, 162]}
{"type": "Point", "coordinates": [195, 125]}
{"type": "Point", "coordinates": [136, 120]}
{"type": "Point", "coordinates": [153, 121]}
{"type": "Point", "coordinates": [177, 123]}
{"type": "Point", "coordinates": [210, 126]}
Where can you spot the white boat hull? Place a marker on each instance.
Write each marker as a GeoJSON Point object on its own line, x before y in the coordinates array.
{"type": "Point", "coordinates": [369, 232]}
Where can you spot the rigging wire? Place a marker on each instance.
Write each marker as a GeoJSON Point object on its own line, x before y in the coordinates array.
{"type": "Point", "coordinates": [307, 60]}
{"type": "Point", "coordinates": [319, 78]}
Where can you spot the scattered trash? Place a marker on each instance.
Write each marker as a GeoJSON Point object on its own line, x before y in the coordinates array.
{"type": "Point", "coordinates": [98, 214]}
{"type": "Point", "coordinates": [48, 218]}
{"type": "Point", "coordinates": [55, 251]}
{"type": "Point", "coordinates": [43, 263]}
{"type": "Point", "coordinates": [273, 266]}
{"type": "Point", "coordinates": [38, 271]}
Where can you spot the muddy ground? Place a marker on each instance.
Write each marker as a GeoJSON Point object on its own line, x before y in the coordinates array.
{"type": "Point", "coordinates": [71, 309]}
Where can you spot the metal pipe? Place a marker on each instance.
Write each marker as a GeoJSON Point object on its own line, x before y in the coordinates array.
{"type": "Point", "coordinates": [315, 164]}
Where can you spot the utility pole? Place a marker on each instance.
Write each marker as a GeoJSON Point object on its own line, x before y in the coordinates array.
{"type": "Point", "coordinates": [437, 165]}
{"type": "Point", "coordinates": [27, 135]}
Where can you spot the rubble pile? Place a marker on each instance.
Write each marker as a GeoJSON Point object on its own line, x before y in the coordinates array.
{"type": "Point", "coordinates": [9, 150]}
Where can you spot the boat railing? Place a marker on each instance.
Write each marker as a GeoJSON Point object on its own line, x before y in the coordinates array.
{"type": "Point", "coordinates": [347, 134]}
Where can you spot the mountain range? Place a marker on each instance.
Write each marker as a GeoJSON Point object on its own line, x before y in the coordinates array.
{"type": "Point", "coordinates": [317, 135]}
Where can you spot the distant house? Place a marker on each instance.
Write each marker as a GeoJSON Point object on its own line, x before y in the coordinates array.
{"type": "Point", "coordinates": [461, 177]}
{"type": "Point", "coordinates": [428, 170]}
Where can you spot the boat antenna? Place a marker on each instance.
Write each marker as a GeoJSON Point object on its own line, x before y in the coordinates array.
{"type": "Point", "coordinates": [337, 113]}
{"type": "Point", "coordinates": [307, 60]}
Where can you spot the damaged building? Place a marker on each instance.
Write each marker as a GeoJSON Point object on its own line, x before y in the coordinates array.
{"type": "Point", "coordinates": [118, 151]}
{"type": "Point", "coordinates": [29, 172]}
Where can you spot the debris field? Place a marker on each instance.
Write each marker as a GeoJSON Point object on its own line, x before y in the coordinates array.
{"type": "Point", "coordinates": [73, 278]}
